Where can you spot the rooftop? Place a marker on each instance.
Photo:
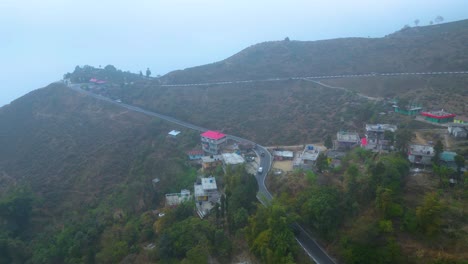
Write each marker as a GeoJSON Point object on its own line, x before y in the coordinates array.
{"type": "Point", "coordinates": [310, 153]}
{"type": "Point", "coordinates": [232, 158]}
{"type": "Point", "coordinates": [209, 183]}
{"type": "Point", "coordinates": [438, 114]}
{"type": "Point", "coordinates": [213, 135]}
{"type": "Point", "coordinates": [284, 153]}
{"type": "Point", "coordinates": [421, 150]}
{"type": "Point", "coordinates": [447, 156]}
{"type": "Point", "coordinates": [347, 136]}
{"type": "Point", "coordinates": [174, 133]}
{"type": "Point", "coordinates": [380, 127]}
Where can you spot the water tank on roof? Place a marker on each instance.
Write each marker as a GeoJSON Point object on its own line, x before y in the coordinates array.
{"type": "Point", "coordinates": [310, 147]}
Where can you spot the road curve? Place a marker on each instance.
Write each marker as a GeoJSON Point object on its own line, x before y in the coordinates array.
{"type": "Point", "coordinates": [304, 239]}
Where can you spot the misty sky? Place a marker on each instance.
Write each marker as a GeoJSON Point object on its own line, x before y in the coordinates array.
{"type": "Point", "coordinates": [43, 39]}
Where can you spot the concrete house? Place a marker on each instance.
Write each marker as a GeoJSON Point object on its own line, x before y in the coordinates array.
{"type": "Point", "coordinates": [232, 159]}
{"type": "Point", "coordinates": [211, 162]}
{"type": "Point", "coordinates": [174, 199]}
{"type": "Point", "coordinates": [420, 154]}
{"type": "Point", "coordinates": [206, 195]}
{"type": "Point", "coordinates": [283, 155]}
{"type": "Point", "coordinates": [212, 141]}
{"type": "Point", "coordinates": [375, 137]}
{"type": "Point", "coordinates": [195, 154]}
{"type": "Point", "coordinates": [458, 130]}
{"type": "Point", "coordinates": [346, 140]}
{"type": "Point", "coordinates": [307, 159]}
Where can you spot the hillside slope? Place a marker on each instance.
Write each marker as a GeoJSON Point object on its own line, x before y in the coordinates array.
{"type": "Point", "coordinates": [88, 166]}
{"type": "Point", "coordinates": [418, 49]}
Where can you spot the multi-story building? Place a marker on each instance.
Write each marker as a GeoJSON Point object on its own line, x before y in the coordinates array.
{"type": "Point", "coordinates": [212, 141]}
{"type": "Point", "coordinates": [420, 154]}
{"type": "Point", "coordinates": [206, 195]}
{"type": "Point", "coordinates": [347, 140]}
{"type": "Point", "coordinates": [375, 139]}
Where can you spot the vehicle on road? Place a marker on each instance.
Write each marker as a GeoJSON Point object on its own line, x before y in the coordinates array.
{"type": "Point", "coordinates": [262, 154]}
{"type": "Point", "coordinates": [260, 169]}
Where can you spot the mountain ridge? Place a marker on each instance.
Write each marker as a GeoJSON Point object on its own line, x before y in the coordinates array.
{"type": "Point", "coordinates": [324, 57]}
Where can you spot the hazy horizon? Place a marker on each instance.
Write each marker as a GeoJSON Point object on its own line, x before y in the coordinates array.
{"type": "Point", "coordinates": [45, 39]}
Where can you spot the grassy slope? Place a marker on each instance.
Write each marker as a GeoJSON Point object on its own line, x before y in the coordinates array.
{"type": "Point", "coordinates": [433, 92]}
{"type": "Point", "coordinates": [428, 48]}
{"type": "Point", "coordinates": [271, 113]}
{"type": "Point", "coordinates": [293, 112]}
{"type": "Point", "coordinates": [76, 153]}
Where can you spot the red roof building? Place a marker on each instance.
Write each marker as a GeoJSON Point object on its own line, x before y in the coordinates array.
{"type": "Point", "coordinates": [213, 135]}
{"type": "Point", "coordinates": [438, 116]}
{"type": "Point", "coordinates": [212, 141]}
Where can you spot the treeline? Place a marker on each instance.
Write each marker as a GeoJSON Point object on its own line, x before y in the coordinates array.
{"type": "Point", "coordinates": [361, 208]}
{"type": "Point", "coordinates": [109, 74]}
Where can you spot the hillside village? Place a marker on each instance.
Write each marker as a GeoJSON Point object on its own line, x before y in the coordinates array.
{"type": "Point", "coordinates": [107, 166]}
{"type": "Point", "coordinates": [217, 151]}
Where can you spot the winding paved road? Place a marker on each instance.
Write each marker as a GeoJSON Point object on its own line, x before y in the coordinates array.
{"type": "Point", "coordinates": [305, 240]}
{"type": "Point", "coordinates": [308, 78]}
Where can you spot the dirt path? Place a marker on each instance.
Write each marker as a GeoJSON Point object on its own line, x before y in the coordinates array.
{"type": "Point", "coordinates": [448, 145]}
{"type": "Point", "coordinates": [419, 139]}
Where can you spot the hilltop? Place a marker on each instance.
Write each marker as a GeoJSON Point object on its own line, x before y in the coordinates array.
{"type": "Point", "coordinates": [298, 111]}
{"type": "Point", "coordinates": [417, 49]}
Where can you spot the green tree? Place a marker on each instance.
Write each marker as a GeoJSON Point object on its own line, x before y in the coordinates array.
{"type": "Point", "coordinates": [390, 136]}
{"type": "Point", "coordinates": [16, 209]}
{"type": "Point", "coordinates": [384, 201]}
{"type": "Point", "coordinates": [270, 236]}
{"type": "Point", "coordinates": [322, 162]}
{"type": "Point", "coordinates": [148, 72]}
{"type": "Point", "coordinates": [460, 162]}
{"type": "Point", "coordinates": [110, 68]}
{"type": "Point", "coordinates": [403, 138]}
{"type": "Point", "coordinates": [429, 214]}
{"type": "Point", "coordinates": [328, 142]}
{"type": "Point", "coordinates": [438, 149]}
{"type": "Point", "coordinates": [321, 209]}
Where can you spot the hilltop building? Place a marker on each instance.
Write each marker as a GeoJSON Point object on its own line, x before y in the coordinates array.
{"type": "Point", "coordinates": [346, 140]}
{"type": "Point", "coordinates": [438, 116]}
{"type": "Point", "coordinates": [212, 141]}
{"type": "Point", "coordinates": [174, 199]}
{"type": "Point", "coordinates": [307, 158]}
{"type": "Point", "coordinates": [206, 195]}
{"type": "Point", "coordinates": [375, 137]}
{"type": "Point", "coordinates": [421, 154]}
